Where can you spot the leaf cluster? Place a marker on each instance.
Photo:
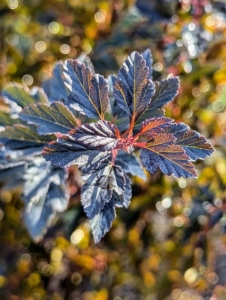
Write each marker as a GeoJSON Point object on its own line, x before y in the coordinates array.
{"type": "Point", "coordinates": [110, 128]}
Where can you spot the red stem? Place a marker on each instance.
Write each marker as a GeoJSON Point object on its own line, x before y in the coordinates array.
{"type": "Point", "coordinates": [131, 126]}
{"type": "Point", "coordinates": [140, 144]}
{"type": "Point", "coordinates": [114, 155]}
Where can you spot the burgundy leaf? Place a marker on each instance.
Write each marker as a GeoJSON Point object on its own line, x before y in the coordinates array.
{"type": "Point", "coordinates": [89, 93]}
{"type": "Point", "coordinates": [147, 56]}
{"type": "Point", "coordinates": [101, 223]}
{"type": "Point", "coordinates": [101, 135]}
{"type": "Point", "coordinates": [155, 125]}
{"type": "Point", "coordinates": [101, 183]}
{"type": "Point", "coordinates": [162, 153]}
{"type": "Point", "coordinates": [165, 91]}
{"type": "Point", "coordinates": [66, 152]}
{"type": "Point", "coordinates": [133, 90]}
{"type": "Point", "coordinates": [195, 145]}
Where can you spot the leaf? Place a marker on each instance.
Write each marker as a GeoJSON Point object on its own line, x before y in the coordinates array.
{"type": "Point", "coordinates": [155, 125]}
{"type": "Point", "coordinates": [10, 168]}
{"type": "Point", "coordinates": [8, 160]}
{"type": "Point", "coordinates": [66, 152]}
{"type": "Point", "coordinates": [124, 199]}
{"type": "Point", "coordinates": [83, 146]}
{"type": "Point", "coordinates": [147, 56]}
{"type": "Point", "coordinates": [170, 158]}
{"type": "Point", "coordinates": [195, 145]}
{"type": "Point", "coordinates": [45, 194]}
{"type": "Point", "coordinates": [130, 164]}
{"type": "Point", "coordinates": [50, 119]}
{"type": "Point", "coordinates": [99, 186]}
{"type": "Point", "coordinates": [102, 222]}
{"type": "Point", "coordinates": [39, 95]}
{"type": "Point", "coordinates": [89, 93]}
{"type": "Point", "coordinates": [101, 135]}
{"type": "Point", "coordinates": [21, 95]}
{"type": "Point", "coordinates": [21, 137]}
{"type": "Point", "coordinates": [55, 87]}
{"type": "Point", "coordinates": [116, 111]}
{"type": "Point", "coordinates": [133, 90]}
{"type": "Point", "coordinates": [6, 119]}
{"type": "Point", "coordinates": [84, 58]}
{"type": "Point", "coordinates": [166, 91]}
{"type": "Point", "coordinates": [121, 119]}
{"type": "Point", "coordinates": [127, 192]}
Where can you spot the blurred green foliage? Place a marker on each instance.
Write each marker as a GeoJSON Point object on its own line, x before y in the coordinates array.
{"type": "Point", "coordinates": [170, 244]}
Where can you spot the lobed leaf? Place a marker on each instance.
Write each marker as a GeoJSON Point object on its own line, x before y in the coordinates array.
{"type": "Point", "coordinates": [102, 222]}
{"type": "Point", "coordinates": [22, 96]}
{"type": "Point", "coordinates": [166, 91]}
{"type": "Point", "coordinates": [10, 168]}
{"type": "Point", "coordinates": [6, 119]}
{"type": "Point", "coordinates": [39, 95]}
{"type": "Point", "coordinates": [89, 93]}
{"type": "Point", "coordinates": [99, 187]}
{"type": "Point", "coordinates": [171, 159]}
{"type": "Point", "coordinates": [195, 145]}
{"type": "Point", "coordinates": [147, 56]}
{"type": "Point", "coordinates": [130, 164]}
{"type": "Point", "coordinates": [127, 192]}
{"type": "Point", "coordinates": [50, 118]}
{"type": "Point", "coordinates": [101, 135]}
{"type": "Point", "coordinates": [21, 137]}
{"type": "Point", "coordinates": [124, 199]}
{"type": "Point", "coordinates": [45, 194]}
{"type": "Point", "coordinates": [66, 152]}
{"type": "Point", "coordinates": [8, 160]}
{"type": "Point", "coordinates": [85, 59]}
{"type": "Point", "coordinates": [113, 188]}
{"type": "Point", "coordinates": [55, 87]}
{"type": "Point", "coordinates": [155, 125]}
{"type": "Point", "coordinates": [133, 90]}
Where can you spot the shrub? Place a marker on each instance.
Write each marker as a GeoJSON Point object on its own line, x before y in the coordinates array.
{"type": "Point", "coordinates": [100, 125]}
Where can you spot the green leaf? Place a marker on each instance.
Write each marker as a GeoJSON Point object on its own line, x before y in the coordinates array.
{"type": "Point", "coordinates": [6, 119]}
{"type": "Point", "coordinates": [22, 96]}
{"type": "Point", "coordinates": [50, 118]}
{"type": "Point", "coordinates": [21, 137]}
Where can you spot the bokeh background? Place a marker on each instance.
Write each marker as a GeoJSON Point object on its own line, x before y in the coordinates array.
{"type": "Point", "coordinates": [170, 244]}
